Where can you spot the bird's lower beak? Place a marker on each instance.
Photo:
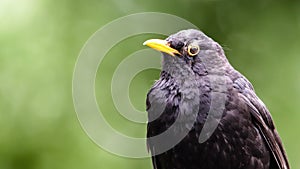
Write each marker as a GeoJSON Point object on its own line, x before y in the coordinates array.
{"type": "Point", "coordinates": [162, 46]}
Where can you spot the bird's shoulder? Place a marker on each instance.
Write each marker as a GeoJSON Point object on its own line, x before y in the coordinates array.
{"type": "Point", "coordinates": [261, 118]}
{"type": "Point", "coordinates": [245, 92]}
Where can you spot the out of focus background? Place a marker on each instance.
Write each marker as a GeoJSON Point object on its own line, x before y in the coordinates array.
{"type": "Point", "coordinates": [41, 39]}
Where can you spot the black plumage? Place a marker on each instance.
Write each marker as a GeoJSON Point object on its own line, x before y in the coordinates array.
{"type": "Point", "coordinates": [245, 136]}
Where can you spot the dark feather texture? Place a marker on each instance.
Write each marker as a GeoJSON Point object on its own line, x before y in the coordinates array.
{"type": "Point", "coordinates": [245, 137]}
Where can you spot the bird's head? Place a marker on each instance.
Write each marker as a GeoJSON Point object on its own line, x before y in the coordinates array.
{"type": "Point", "coordinates": [190, 50]}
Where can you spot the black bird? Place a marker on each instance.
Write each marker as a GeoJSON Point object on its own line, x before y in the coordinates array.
{"type": "Point", "coordinates": [204, 114]}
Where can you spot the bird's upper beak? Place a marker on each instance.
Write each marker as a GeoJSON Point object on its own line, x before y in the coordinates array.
{"type": "Point", "coordinates": [162, 46]}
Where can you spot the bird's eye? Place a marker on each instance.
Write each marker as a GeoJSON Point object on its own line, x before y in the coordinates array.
{"type": "Point", "coordinates": [193, 50]}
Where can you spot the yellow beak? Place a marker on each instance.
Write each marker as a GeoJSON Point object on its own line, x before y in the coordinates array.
{"type": "Point", "coordinates": [162, 46]}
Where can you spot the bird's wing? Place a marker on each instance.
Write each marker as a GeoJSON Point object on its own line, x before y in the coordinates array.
{"type": "Point", "coordinates": [263, 121]}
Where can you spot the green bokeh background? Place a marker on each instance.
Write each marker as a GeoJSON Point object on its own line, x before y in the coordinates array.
{"type": "Point", "coordinates": [40, 42]}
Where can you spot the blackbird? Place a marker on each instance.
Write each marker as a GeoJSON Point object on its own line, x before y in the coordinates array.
{"type": "Point", "coordinates": [204, 114]}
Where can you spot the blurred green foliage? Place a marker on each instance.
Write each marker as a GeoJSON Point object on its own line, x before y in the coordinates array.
{"type": "Point", "coordinates": [40, 41]}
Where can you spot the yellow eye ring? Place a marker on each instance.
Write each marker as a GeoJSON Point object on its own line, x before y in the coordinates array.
{"type": "Point", "coordinates": [193, 50]}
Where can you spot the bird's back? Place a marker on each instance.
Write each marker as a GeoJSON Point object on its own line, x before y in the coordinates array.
{"type": "Point", "coordinates": [238, 142]}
